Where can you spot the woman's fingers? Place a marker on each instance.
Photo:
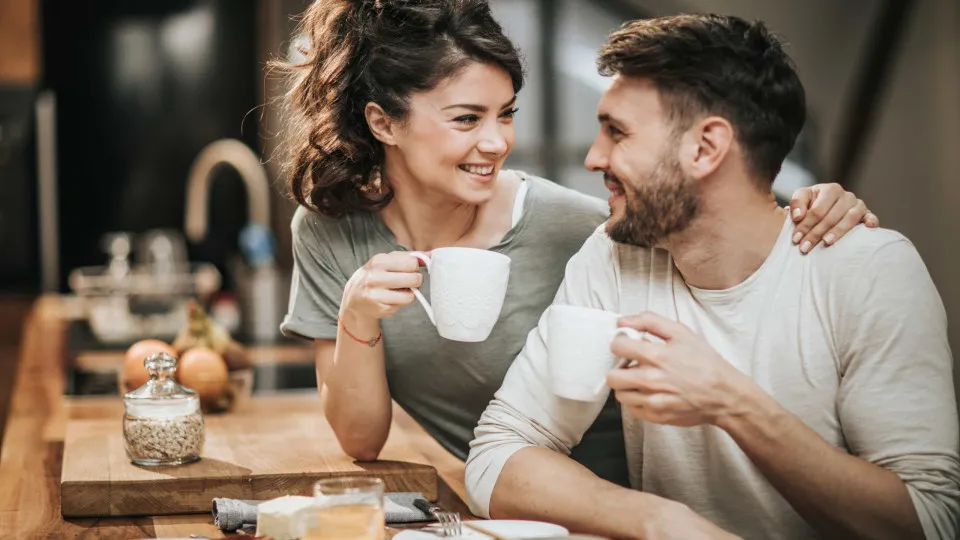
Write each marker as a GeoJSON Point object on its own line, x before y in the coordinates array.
{"type": "Point", "coordinates": [394, 280]}
{"type": "Point", "coordinates": [397, 261]}
{"type": "Point", "coordinates": [390, 297]}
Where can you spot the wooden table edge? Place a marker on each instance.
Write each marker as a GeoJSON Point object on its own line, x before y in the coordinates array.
{"type": "Point", "coordinates": [33, 447]}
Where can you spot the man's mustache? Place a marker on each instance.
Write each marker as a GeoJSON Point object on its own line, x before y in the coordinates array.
{"type": "Point", "coordinates": [608, 177]}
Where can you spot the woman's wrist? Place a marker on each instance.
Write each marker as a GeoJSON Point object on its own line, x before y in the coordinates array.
{"type": "Point", "coordinates": [358, 326]}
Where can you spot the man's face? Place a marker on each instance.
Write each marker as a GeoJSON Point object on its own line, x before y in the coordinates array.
{"type": "Point", "coordinates": [637, 151]}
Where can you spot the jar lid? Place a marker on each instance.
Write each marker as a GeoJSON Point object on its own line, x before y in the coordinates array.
{"type": "Point", "coordinates": [162, 395]}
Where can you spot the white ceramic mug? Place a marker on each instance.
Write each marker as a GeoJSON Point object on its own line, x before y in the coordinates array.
{"type": "Point", "coordinates": [578, 350]}
{"type": "Point", "coordinates": [467, 288]}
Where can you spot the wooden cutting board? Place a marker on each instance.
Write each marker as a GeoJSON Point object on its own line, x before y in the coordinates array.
{"type": "Point", "coordinates": [273, 446]}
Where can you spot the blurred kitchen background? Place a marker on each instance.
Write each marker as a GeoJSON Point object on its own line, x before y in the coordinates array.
{"type": "Point", "coordinates": [136, 142]}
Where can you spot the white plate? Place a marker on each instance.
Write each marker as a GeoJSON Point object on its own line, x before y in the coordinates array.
{"type": "Point", "coordinates": [503, 527]}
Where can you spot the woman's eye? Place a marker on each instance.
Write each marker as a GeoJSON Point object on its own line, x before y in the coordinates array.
{"type": "Point", "coordinates": [509, 113]}
{"type": "Point", "coordinates": [467, 119]}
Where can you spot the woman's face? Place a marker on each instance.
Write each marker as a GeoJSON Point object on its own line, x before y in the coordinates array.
{"type": "Point", "coordinates": [457, 135]}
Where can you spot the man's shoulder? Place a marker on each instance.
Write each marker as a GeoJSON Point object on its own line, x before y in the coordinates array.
{"type": "Point", "coordinates": [871, 264]}
{"type": "Point", "coordinates": [599, 248]}
{"type": "Point", "coordinates": [865, 246]}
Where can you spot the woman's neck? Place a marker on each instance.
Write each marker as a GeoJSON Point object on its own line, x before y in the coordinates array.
{"type": "Point", "coordinates": [422, 219]}
{"type": "Point", "coordinates": [425, 223]}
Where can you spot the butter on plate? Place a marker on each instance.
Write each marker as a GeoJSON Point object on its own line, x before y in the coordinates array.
{"type": "Point", "coordinates": [286, 518]}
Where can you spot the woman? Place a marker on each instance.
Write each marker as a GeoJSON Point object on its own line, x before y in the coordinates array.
{"type": "Point", "coordinates": [404, 117]}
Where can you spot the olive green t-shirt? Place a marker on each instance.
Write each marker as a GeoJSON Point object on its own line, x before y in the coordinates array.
{"type": "Point", "coordinates": [446, 385]}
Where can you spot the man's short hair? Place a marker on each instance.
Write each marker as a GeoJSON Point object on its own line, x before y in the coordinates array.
{"type": "Point", "coordinates": [717, 65]}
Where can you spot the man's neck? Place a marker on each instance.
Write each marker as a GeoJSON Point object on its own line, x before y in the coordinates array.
{"type": "Point", "coordinates": [729, 240]}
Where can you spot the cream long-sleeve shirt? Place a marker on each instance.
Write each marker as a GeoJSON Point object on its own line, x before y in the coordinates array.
{"type": "Point", "coordinates": [852, 339]}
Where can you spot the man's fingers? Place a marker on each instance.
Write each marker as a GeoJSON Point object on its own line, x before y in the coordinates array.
{"type": "Point", "coordinates": [644, 379]}
{"type": "Point", "coordinates": [656, 407]}
{"type": "Point", "coordinates": [639, 350]}
{"type": "Point", "coordinates": [654, 324]}
{"type": "Point", "coordinates": [631, 398]}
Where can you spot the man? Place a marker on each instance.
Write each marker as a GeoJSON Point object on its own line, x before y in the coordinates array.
{"type": "Point", "coordinates": [790, 396]}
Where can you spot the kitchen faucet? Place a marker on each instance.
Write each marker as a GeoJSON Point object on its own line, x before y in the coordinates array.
{"type": "Point", "coordinates": [238, 155]}
{"type": "Point", "coordinates": [259, 281]}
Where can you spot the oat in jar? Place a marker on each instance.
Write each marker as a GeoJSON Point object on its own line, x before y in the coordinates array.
{"type": "Point", "coordinates": [162, 422]}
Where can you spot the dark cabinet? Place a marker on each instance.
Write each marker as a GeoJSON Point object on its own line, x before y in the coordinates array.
{"type": "Point", "coordinates": [140, 88]}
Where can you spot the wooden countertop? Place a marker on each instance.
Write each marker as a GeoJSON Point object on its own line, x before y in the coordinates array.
{"type": "Point", "coordinates": [31, 457]}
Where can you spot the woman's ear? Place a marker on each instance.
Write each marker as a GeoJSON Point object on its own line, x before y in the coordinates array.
{"type": "Point", "coordinates": [380, 123]}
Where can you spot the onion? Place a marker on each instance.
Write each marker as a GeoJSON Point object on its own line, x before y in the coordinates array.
{"type": "Point", "coordinates": [134, 374]}
{"type": "Point", "coordinates": [204, 371]}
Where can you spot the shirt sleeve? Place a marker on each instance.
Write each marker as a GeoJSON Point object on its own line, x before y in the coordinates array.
{"type": "Point", "coordinates": [524, 412]}
{"type": "Point", "coordinates": [897, 399]}
{"type": "Point", "coordinates": [317, 284]}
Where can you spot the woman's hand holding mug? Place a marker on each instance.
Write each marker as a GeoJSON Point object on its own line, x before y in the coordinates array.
{"type": "Point", "coordinates": [382, 286]}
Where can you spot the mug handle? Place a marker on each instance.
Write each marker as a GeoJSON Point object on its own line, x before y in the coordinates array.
{"type": "Point", "coordinates": [631, 333]}
{"type": "Point", "coordinates": [425, 259]}
{"type": "Point", "coordinates": [621, 363]}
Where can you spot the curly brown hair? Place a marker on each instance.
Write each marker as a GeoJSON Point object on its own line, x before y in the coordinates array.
{"type": "Point", "coordinates": [380, 51]}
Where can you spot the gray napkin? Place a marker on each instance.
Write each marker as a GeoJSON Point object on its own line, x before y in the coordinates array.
{"type": "Point", "coordinates": [398, 508]}
{"type": "Point", "coordinates": [233, 514]}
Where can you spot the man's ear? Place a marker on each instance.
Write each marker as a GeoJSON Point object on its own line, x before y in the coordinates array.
{"type": "Point", "coordinates": [380, 123]}
{"type": "Point", "coordinates": [710, 141]}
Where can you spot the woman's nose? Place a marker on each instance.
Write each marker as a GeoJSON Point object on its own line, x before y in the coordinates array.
{"type": "Point", "coordinates": [493, 142]}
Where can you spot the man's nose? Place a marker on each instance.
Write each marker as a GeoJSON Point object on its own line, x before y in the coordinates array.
{"type": "Point", "coordinates": [596, 160]}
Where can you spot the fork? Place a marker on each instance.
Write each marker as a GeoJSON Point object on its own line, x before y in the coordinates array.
{"type": "Point", "coordinates": [450, 524]}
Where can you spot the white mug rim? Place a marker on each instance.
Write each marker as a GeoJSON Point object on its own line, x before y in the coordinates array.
{"type": "Point", "coordinates": [469, 250]}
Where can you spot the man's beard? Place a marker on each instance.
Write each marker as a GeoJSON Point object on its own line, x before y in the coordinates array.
{"type": "Point", "coordinates": [664, 203]}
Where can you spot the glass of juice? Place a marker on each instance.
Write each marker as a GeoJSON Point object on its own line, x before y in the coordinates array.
{"type": "Point", "coordinates": [348, 508]}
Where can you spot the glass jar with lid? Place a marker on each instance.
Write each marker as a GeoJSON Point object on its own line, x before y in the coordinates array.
{"type": "Point", "coordinates": [162, 422]}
